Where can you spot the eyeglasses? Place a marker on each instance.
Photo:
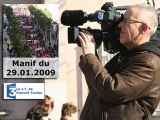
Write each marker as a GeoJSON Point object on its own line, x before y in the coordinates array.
{"type": "Point", "coordinates": [132, 21]}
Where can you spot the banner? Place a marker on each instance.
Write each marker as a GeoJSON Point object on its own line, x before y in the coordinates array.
{"type": "Point", "coordinates": [23, 90]}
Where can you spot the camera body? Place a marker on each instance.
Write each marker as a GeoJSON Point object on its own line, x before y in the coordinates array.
{"type": "Point", "coordinates": [107, 17]}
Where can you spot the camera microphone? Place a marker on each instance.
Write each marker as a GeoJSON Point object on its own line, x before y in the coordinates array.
{"type": "Point", "coordinates": [73, 17]}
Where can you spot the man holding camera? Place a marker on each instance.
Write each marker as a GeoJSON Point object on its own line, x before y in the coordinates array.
{"type": "Point", "coordinates": [128, 87]}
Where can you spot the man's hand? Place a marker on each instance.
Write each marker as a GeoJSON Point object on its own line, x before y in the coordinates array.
{"type": "Point", "coordinates": [87, 43]}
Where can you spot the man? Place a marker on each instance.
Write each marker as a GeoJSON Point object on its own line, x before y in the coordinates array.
{"type": "Point", "coordinates": [128, 87]}
{"type": "Point", "coordinates": [69, 112]}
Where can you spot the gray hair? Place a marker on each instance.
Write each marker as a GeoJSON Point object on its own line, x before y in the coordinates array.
{"type": "Point", "coordinates": [148, 15]}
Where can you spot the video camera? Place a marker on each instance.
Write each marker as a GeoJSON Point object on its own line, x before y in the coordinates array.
{"type": "Point", "coordinates": [108, 17]}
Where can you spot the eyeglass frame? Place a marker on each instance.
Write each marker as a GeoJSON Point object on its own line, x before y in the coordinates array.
{"type": "Point", "coordinates": [133, 21]}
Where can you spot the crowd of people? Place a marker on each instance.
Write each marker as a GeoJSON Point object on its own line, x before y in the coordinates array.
{"type": "Point", "coordinates": [38, 50]}
{"type": "Point", "coordinates": [45, 106]}
{"type": "Point", "coordinates": [35, 37]}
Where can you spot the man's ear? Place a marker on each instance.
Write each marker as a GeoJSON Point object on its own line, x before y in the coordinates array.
{"type": "Point", "coordinates": [144, 26]}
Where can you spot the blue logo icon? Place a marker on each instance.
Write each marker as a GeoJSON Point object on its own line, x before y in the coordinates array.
{"type": "Point", "coordinates": [11, 91]}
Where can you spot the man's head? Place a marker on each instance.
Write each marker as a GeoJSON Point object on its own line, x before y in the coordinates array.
{"type": "Point", "coordinates": [69, 111]}
{"type": "Point", "coordinates": [138, 25]}
{"type": "Point", "coordinates": [47, 103]}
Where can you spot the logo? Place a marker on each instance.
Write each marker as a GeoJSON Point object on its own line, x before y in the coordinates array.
{"type": "Point", "coordinates": [23, 91]}
{"type": "Point", "coordinates": [101, 15]}
{"type": "Point", "coordinates": [11, 91]}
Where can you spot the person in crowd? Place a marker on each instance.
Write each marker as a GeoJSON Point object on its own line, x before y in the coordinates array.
{"type": "Point", "coordinates": [47, 103]}
{"type": "Point", "coordinates": [128, 86]}
{"type": "Point", "coordinates": [69, 111]}
{"type": "Point", "coordinates": [37, 113]}
{"type": "Point", "coordinates": [5, 47]}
